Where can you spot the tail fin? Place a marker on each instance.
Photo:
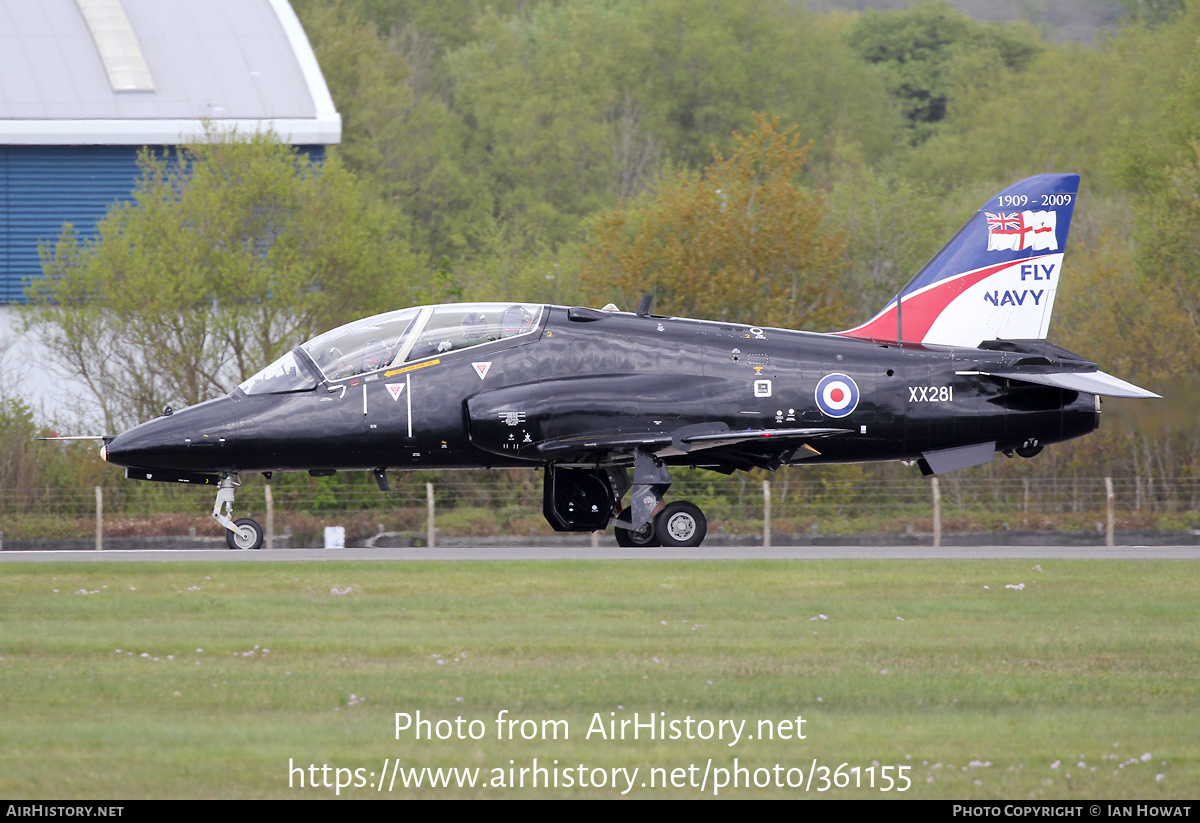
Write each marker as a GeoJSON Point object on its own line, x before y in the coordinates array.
{"type": "Point", "coordinates": [995, 279]}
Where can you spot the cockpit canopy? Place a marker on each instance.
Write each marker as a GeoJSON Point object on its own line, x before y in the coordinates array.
{"type": "Point", "coordinates": [403, 336]}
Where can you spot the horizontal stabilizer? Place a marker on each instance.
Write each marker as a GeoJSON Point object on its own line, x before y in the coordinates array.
{"type": "Point", "coordinates": [1094, 382]}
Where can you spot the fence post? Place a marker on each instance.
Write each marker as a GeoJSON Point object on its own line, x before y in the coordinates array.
{"type": "Point", "coordinates": [1108, 493]}
{"type": "Point", "coordinates": [430, 530]}
{"type": "Point", "coordinates": [269, 538]}
{"type": "Point", "coordinates": [766, 512]}
{"type": "Point", "coordinates": [99, 519]}
{"type": "Point", "coordinates": [937, 511]}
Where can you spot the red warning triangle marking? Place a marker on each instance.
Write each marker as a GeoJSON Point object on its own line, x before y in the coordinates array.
{"type": "Point", "coordinates": [482, 368]}
{"type": "Point", "coordinates": [395, 389]}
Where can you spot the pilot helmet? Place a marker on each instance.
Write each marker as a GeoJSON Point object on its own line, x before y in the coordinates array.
{"type": "Point", "coordinates": [515, 320]}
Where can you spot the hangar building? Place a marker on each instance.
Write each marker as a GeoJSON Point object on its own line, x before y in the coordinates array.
{"type": "Point", "coordinates": [85, 84]}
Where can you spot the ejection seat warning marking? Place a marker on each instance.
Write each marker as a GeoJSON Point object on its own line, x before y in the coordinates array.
{"type": "Point", "coordinates": [396, 389]}
{"type": "Point", "coordinates": [413, 367]}
{"type": "Point", "coordinates": [482, 368]}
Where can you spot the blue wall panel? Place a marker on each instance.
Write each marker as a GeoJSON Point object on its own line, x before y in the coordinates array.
{"type": "Point", "coordinates": [43, 187]}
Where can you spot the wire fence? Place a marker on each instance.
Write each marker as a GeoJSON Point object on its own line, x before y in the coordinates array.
{"type": "Point", "coordinates": [471, 505]}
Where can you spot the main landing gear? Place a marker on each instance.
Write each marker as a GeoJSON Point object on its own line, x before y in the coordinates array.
{"type": "Point", "coordinates": [677, 525]}
{"type": "Point", "coordinates": [243, 533]}
{"type": "Point", "coordinates": [647, 521]}
{"type": "Point", "coordinates": [583, 499]}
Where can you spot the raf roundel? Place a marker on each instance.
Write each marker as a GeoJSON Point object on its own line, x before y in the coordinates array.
{"type": "Point", "coordinates": [837, 395]}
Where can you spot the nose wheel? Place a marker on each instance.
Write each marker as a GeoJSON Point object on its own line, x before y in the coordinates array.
{"type": "Point", "coordinates": [248, 535]}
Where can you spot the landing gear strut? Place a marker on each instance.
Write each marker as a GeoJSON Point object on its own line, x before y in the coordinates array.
{"type": "Point", "coordinates": [243, 534]}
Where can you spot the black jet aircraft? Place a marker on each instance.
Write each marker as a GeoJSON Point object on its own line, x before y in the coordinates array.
{"type": "Point", "coordinates": [955, 369]}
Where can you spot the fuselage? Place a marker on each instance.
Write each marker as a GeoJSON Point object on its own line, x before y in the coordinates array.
{"type": "Point", "coordinates": [584, 372]}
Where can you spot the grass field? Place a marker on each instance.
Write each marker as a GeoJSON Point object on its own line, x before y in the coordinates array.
{"type": "Point", "coordinates": [983, 679]}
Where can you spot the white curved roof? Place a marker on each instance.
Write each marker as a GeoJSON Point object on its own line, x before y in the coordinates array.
{"type": "Point", "coordinates": [151, 72]}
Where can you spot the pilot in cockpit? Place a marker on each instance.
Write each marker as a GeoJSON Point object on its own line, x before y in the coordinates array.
{"type": "Point", "coordinates": [376, 355]}
{"type": "Point", "coordinates": [515, 320]}
{"type": "Point", "coordinates": [475, 329]}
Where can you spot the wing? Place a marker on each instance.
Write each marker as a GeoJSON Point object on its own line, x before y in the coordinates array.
{"type": "Point", "coordinates": [713, 444]}
{"type": "Point", "coordinates": [610, 419]}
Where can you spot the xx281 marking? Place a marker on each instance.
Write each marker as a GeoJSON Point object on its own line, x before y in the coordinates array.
{"type": "Point", "coordinates": [930, 394]}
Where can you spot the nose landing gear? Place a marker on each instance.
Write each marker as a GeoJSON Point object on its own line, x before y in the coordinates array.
{"type": "Point", "coordinates": [244, 533]}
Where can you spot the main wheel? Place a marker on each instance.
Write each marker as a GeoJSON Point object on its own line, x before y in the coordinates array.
{"type": "Point", "coordinates": [681, 525]}
{"type": "Point", "coordinates": [635, 539]}
{"type": "Point", "coordinates": [249, 535]}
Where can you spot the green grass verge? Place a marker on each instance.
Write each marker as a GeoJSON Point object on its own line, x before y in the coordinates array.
{"type": "Point", "coordinates": [1085, 683]}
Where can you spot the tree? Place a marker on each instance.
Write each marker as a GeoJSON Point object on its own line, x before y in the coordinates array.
{"type": "Point", "coordinates": [571, 107]}
{"type": "Point", "coordinates": [916, 49]}
{"type": "Point", "coordinates": [398, 138]}
{"type": "Point", "coordinates": [743, 241]}
{"type": "Point", "coordinates": [231, 253]}
{"type": "Point", "coordinates": [889, 240]}
{"type": "Point", "coordinates": [1168, 250]}
{"type": "Point", "coordinates": [1153, 12]}
{"type": "Point", "coordinates": [1168, 208]}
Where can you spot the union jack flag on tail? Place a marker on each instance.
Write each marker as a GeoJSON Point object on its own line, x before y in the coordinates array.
{"type": "Point", "coordinates": [1014, 231]}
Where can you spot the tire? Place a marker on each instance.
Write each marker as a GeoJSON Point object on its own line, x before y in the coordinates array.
{"type": "Point", "coordinates": [249, 535]}
{"type": "Point", "coordinates": [681, 525]}
{"type": "Point", "coordinates": [643, 538]}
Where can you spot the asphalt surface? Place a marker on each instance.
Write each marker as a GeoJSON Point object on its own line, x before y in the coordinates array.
{"type": "Point", "coordinates": [614, 553]}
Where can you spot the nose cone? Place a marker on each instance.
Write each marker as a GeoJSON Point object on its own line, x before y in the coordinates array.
{"type": "Point", "coordinates": [192, 439]}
